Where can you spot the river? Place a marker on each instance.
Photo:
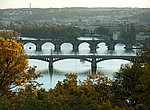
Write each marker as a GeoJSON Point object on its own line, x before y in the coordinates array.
{"type": "Point", "coordinates": [82, 68]}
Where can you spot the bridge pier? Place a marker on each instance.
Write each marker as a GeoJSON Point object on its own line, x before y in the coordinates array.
{"type": "Point", "coordinates": [93, 48]}
{"type": "Point", "coordinates": [75, 48]}
{"type": "Point", "coordinates": [57, 48]}
{"type": "Point", "coordinates": [51, 65]}
{"type": "Point", "coordinates": [111, 46]}
{"type": "Point", "coordinates": [128, 47]}
{"type": "Point", "coordinates": [38, 47]}
{"type": "Point", "coordinates": [93, 65]}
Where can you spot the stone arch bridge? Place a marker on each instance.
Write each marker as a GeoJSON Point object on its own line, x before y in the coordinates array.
{"type": "Point", "coordinates": [75, 42]}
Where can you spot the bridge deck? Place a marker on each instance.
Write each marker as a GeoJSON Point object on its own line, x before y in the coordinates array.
{"type": "Point", "coordinates": [90, 56]}
{"type": "Point", "coordinates": [85, 57]}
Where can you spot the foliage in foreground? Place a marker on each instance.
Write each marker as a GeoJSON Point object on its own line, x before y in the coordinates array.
{"type": "Point", "coordinates": [96, 93]}
{"type": "Point", "coordinates": [131, 87]}
{"type": "Point", "coordinates": [92, 94]}
{"type": "Point", "coordinates": [15, 74]}
{"type": "Point", "coordinates": [129, 91]}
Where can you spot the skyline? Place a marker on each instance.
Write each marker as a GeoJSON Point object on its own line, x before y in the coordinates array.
{"type": "Point", "coordinates": [73, 3]}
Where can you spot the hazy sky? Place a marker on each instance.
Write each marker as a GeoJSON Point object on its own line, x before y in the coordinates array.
{"type": "Point", "coordinates": [73, 3]}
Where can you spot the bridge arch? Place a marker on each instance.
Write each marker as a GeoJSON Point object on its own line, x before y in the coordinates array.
{"type": "Point", "coordinates": [106, 65]}
{"type": "Point", "coordinates": [38, 62]}
{"type": "Point", "coordinates": [72, 65]}
{"type": "Point", "coordinates": [138, 44]}
{"type": "Point", "coordinates": [29, 46]}
{"type": "Point", "coordinates": [120, 46]}
{"type": "Point", "coordinates": [66, 47]}
{"type": "Point", "coordinates": [84, 59]}
{"type": "Point", "coordinates": [48, 46]}
{"type": "Point", "coordinates": [101, 46]}
{"type": "Point", "coordinates": [84, 47]}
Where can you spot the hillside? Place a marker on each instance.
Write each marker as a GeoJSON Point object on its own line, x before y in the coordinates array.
{"type": "Point", "coordinates": [66, 13]}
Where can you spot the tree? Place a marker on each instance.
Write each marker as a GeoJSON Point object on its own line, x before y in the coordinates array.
{"type": "Point", "coordinates": [50, 31]}
{"type": "Point", "coordinates": [126, 86]}
{"type": "Point", "coordinates": [102, 31]}
{"type": "Point", "coordinates": [132, 83]}
{"type": "Point", "coordinates": [93, 93]}
{"type": "Point", "coordinates": [129, 34]}
{"type": "Point", "coordinates": [2, 23]}
{"type": "Point", "coordinates": [144, 59]}
{"type": "Point", "coordinates": [14, 69]}
{"type": "Point", "coordinates": [8, 34]}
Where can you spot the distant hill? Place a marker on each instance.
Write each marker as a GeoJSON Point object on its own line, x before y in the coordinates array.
{"type": "Point", "coordinates": [53, 14]}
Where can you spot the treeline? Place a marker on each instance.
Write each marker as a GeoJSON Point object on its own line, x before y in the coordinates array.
{"type": "Point", "coordinates": [54, 31]}
{"type": "Point", "coordinates": [71, 32]}
{"type": "Point", "coordinates": [50, 31]}
{"type": "Point", "coordinates": [67, 32]}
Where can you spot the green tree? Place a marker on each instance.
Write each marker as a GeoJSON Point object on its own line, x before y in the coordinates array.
{"type": "Point", "coordinates": [93, 93]}
{"type": "Point", "coordinates": [50, 31]}
{"type": "Point", "coordinates": [102, 31]}
{"type": "Point", "coordinates": [131, 86]}
{"type": "Point", "coordinates": [144, 59]}
{"type": "Point", "coordinates": [129, 34]}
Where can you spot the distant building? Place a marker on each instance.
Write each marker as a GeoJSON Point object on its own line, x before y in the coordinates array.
{"type": "Point", "coordinates": [116, 35]}
{"type": "Point", "coordinates": [142, 35]}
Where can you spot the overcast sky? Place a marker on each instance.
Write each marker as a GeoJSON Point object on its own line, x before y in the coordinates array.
{"type": "Point", "coordinates": [73, 3]}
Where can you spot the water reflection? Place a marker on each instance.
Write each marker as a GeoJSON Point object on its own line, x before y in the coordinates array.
{"type": "Point", "coordinates": [48, 46]}
{"type": "Point", "coordinates": [84, 48]}
{"type": "Point", "coordinates": [82, 68]}
{"type": "Point", "coordinates": [66, 48]}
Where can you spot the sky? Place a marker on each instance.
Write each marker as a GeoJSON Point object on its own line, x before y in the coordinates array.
{"type": "Point", "coordinates": [73, 3]}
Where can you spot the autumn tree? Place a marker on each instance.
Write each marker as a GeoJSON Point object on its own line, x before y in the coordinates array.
{"type": "Point", "coordinates": [8, 34]}
{"type": "Point", "coordinates": [2, 23]}
{"type": "Point", "coordinates": [14, 69]}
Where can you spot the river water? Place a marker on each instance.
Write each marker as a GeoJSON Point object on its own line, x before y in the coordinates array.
{"type": "Point", "coordinates": [81, 68]}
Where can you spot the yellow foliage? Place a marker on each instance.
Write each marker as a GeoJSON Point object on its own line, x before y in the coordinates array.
{"type": "Point", "coordinates": [13, 65]}
{"type": "Point", "coordinates": [7, 34]}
